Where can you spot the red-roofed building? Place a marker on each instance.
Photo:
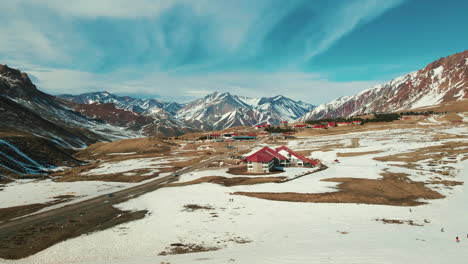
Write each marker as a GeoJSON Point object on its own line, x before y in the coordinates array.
{"type": "Point", "coordinates": [331, 124]}
{"type": "Point", "coordinates": [262, 126]}
{"type": "Point", "coordinates": [264, 160]}
{"type": "Point", "coordinates": [319, 126]}
{"type": "Point", "coordinates": [214, 136]}
{"type": "Point", "coordinates": [296, 159]}
{"type": "Point", "coordinates": [344, 123]}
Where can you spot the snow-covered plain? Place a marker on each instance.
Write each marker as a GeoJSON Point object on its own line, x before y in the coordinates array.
{"type": "Point", "coordinates": [24, 192]}
{"type": "Point", "coordinates": [153, 164]}
{"type": "Point", "coordinates": [286, 232]}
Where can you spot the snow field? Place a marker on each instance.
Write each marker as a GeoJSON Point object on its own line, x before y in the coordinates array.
{"type": "Point", "coordinates": [24, 192]}
{"type": "Point", "coordinates": [154, 164]}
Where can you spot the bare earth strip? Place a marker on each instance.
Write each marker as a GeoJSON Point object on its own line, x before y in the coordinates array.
{"type": "Point", "coordinates": [229, 181]}
{"type": "Point", "coordinates": [353, 154]}
{"type": "Point", "coordinates": [393, 189]}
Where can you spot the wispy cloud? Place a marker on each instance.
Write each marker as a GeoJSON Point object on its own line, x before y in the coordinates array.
{"type": "Point", "coordinates": [192, 45]}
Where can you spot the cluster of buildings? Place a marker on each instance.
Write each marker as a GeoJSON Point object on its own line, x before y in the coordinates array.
{"type": "Point", "coordinates": [267, 159]}
{"type": "Point", "coordinates": [307, 126]}
{"type": "Point", "coordinates": [230, 137]}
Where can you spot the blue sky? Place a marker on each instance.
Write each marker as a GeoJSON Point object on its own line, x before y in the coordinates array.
{"type": "Point", "coordinates": [312, 50]}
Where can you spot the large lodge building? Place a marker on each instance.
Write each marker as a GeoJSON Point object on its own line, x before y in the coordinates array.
{"type": "Point", "coordinates": [267, 159]}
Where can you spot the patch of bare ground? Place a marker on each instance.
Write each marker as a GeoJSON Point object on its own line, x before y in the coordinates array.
{"type": "Point", "coordinates": [436, 153]}
{"type": "Point", "coordinates": [239, 240]}
{"type": "Point", "coordinates": [400, 222]}
{"type": "Point", "coordinates": [34, 238]}
{"type": "Point", "coordinates": [224, 163]}
{"type": "Point", "coordinates": [353, 154]}
{"type": "Point", "coordinates": [445, 182]}
{"type": "Point", "coordinates": [241, 130]}
{"type": "Point", "coordinates": [242, 170]}
{"type": "Point", "coordinates": [229, 181]}
{"type": "Point", "coordinates": [354, 143]}
{"type": "Point", "coordinates": [455, 106]}
{"type": "Point", "coordinates": [109, 177]}
{"type": "Point", "coordinates": [8, 213]}
{"type": "Point", "coordinates": [180, 248]}
{"type": "Point", "coordinates": [137, 175]}
{"type": "Point", "coordinates": [146, 145]}
{"type": "Point", "coordinates": [451, 117]}
{"type": "Point", "coordinates": [392, 189]}
{"type": "Point", "coordinates": [196, 207]}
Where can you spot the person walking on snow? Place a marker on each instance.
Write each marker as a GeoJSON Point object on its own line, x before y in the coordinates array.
{"type": "Point", "coordinates": [456, 239]}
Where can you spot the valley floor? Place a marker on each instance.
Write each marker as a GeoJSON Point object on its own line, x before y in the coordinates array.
{"type": "Point", "coordinates": [215, 223]}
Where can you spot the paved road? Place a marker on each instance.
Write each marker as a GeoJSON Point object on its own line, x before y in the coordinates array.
{"type": "Point", "coordinates": [104, 200]}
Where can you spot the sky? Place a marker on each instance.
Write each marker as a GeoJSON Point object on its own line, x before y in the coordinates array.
{"type": "Point", "coordinates": [309, 50]}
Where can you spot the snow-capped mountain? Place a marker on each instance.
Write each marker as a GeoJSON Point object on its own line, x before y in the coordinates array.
{"type": "Point", "coordinates": [224, 110]}
{"type": "Point", "coordinates": [282, 108]}
{"type": "Point", "coordinates": [441, 81]}
{"type": "Point", "coordinates": [214, 111]}
{"type": "Point", "coordinates": [149, 117]}
{"type": "Point", "coordinates": [152, 122]}
{"type": "Point", "coordinates": [123, 102]}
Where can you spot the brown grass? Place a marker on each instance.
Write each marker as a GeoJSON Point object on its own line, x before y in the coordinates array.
{"type": "Point", "coordinates": [229, 181]}
{"type": "Point", "coordinates": [446, 182]}
{"type": "Point", "coordinates": [79, 173]}
{"type": "Point", "coordinates": [396, 221]}
{"type": "Point", "coordinates": [8, 213]}
{"type": "Point", "coordinates": [35, 238]}
{"type": "Point", "coordinates": [139, 145]}
{"type": "Point", "coordinates": [392, 189]}
{"type": "Point", "coordinates": [196, 207]}
{"type": "Point", "coordinates": [353, 154]}
{"type": "Point", "coordinates": [242, 170]}
{"type": "Point", "coordinates": [435, 153]}
{"type": "Point", "coordinates": [456, 106]}
{"type": "Point", "coordinates": [179, 248]}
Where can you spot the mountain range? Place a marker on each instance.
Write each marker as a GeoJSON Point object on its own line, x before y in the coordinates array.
{"type": "Point", "coordinates": [213, 112]}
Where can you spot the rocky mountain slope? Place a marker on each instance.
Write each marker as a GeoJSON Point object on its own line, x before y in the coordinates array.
{"type": "Point", "coordinates": [441, 81]}
{"type": "Point", "coordinates": [40, 123]}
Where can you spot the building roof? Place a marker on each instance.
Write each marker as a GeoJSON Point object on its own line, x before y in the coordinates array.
{"type": "Point", "coordinates": [297, 155]}
{"type": "Point", "coordinates": [265, 154]}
